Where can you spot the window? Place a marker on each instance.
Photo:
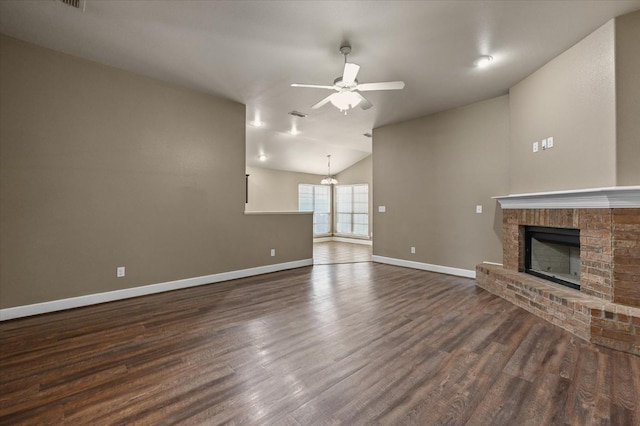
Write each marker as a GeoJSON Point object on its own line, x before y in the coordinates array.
{"type": "Point", "coordinates": [316, 198]}
{"type": "Point", "coordinates": [352, 210]}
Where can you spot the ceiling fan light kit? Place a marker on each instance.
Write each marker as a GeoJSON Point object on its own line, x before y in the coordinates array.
{"type": "Point", "coordinates": [348, 89]}
{"type": "Point", "coordinates": [344, 100]}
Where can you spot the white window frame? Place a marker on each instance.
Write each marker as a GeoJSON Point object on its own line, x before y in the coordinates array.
{"type": "Point", "coordinates": [352, 212]}
{"type": "Point", "coordinates": [316, 214]}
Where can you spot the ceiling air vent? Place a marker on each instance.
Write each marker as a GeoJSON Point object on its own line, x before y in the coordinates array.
{"type": "Point", "coordinates": [78, 4]}
{"type": "Point", "coordinates": [369, 135]}
{"type": "Point", "coordinates": [298, 114]}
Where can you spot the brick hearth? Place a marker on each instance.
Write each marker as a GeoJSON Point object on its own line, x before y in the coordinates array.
{"type": "Point", "coordinates": [606, 310]}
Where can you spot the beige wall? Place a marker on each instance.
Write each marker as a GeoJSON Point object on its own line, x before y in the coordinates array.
{"type": "Point", "coordinates": [571, 98]}
{"type": "Point", "coordinates": [430, 173]}
{"type": "Point", "coordinates": [627, 47]}
{"type": "Point", "coordinates": [360, 172]}
{"type": "Point", "coordinates": [102, 168]}
{"type": "Point", "coordinates": [275, 190]}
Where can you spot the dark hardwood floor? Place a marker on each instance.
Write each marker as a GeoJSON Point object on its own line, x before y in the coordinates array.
{"type": "Point", "coordinates": [359, 343]}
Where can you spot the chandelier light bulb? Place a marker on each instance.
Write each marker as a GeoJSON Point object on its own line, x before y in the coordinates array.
{"type": "Point", "coordinates": [328, 179]}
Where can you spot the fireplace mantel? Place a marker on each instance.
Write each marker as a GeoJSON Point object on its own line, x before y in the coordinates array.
{"type": "Point", "coordinates": [595, 198]}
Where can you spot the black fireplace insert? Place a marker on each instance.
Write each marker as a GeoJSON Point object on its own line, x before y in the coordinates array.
{"type": "Point", "coordinates": [553, 254]}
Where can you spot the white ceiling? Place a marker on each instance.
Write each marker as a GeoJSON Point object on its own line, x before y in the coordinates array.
{"type": "Point", "coordinates": [250, 51]}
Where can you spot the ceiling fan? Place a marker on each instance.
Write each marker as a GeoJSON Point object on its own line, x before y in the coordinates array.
{"type": "Point", "coordinates": [348, 89]}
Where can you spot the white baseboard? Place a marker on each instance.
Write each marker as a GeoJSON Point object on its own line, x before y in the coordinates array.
{"type": "Point", "coordinates": [109, 296]}
{"type": "Point", "coordinates": [343, 240]}
{"type": "Point", "coordinates": [425, 266]}
{"type": "Point", "coordinates": [352, 241]}
{"type": "Point", "coordinates": [322, 239]}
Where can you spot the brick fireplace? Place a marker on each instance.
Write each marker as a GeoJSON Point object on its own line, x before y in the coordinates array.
{"type": "Point", "coordinates": [606, 309]}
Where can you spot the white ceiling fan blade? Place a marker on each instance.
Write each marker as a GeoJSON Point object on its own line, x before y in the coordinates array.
{"type": "Point", "coordinates": [350, 72]}
{"type": "Point", "coordinates": [322, 102]}
{"type": "Point", "coordinates": [312, 86]}
{"type": "Point", "coordinates": [388, 85]}
{"type": "Point", "coordinates": [364, 103]}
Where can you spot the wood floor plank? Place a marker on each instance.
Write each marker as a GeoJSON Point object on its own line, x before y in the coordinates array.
{"type": "Point", "coordinates": [351, 343]}
{"type": "Point", "coordinates": [546, 399]}
{"type": "Point", "coordinates": [583, 392]}
{"type": "Point", "coordinates": [526, 362]}
{"type": "Point", "coordinates": [389, 376]}
{"type": "Point", "coordinates": [501, 405]}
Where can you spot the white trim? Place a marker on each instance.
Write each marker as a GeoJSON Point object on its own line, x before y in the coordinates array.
{"type": "Point", "coordinates": [595, 198]}
{"type": "Point", "coordinates": [343, 240]}
{"type": "Point", "coordinates": [322, 239]}
{"type": "Point", "coordinates": [252, 213]}
{"type": "Point", "coordinates": [352, 240]}
{"type": "Point", "coordinates": [109, 296]}
{"type": "Point", "coordinates": [486, 262]}
{"type": "Point", "coordinates": [425, 266]}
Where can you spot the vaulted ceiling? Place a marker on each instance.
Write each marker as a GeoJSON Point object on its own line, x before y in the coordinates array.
{"type": "Point", "coordinates": [251, 51]}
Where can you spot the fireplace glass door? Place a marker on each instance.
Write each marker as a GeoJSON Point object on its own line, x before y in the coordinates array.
{"type": "Point", "coordinates": [553, 254]}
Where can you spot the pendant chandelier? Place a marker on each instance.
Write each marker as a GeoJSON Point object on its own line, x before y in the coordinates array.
{"type": "Point", "coordinates": [328, 179]}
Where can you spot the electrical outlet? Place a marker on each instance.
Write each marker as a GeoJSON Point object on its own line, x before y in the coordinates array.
{"type": "Point", "coordinates": [544, 144]}
{"type": "Point", "coordinates": [413, 250]}
{"type": "Point", "coordinates": [550, 142]}
{"type": "Point", "coordinates": [382, 209]}
{"type": "Point", "coordinates": [120, 271]}
{"type": "Point", "coordinates": [273, 252]}
{"type": "Point", "coordinates": [535, 147]}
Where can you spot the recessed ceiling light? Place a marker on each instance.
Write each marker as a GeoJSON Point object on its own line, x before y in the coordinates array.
{"type": "Point", "coordinates": [262, 157]}
{"type": "Point", "coordinates": [294, 131]}
{"type": "Point", "coordinates": [256, 120]}
{"type": "Point", "coordinates": [483, 61]}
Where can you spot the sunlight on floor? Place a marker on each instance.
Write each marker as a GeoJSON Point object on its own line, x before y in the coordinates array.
{"type": "Point", "coordinates": [337, 252]}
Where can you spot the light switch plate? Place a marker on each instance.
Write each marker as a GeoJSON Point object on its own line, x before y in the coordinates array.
{"type": "Point", "coordinates": [550, 142]}
{"type": "Point", "coordinates": [479, 208]}
{"type": "Point", "coordinates": [382, 209]}
{"type": "Point", "coordinates": [535, 147]}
